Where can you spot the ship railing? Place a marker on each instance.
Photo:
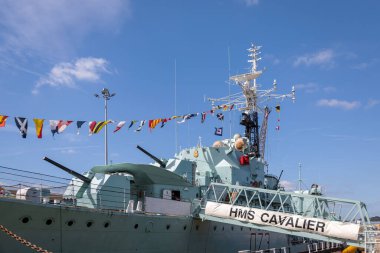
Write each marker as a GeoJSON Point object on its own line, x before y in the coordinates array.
{"type": "Point", "coordinates": [270, 250]}
{"type": "Point", "coordinates": [311, 247]}
{"type": "Point", "coordinates": [46, 189]}
{"type": "Point", "coordinates": [56, 196]}
{"type": "Point", "coordinates": [323, 246]}
{"type": "Point", "coordinates": [49, 189]}
{"type": "Point", "coordinates": [372, 241]}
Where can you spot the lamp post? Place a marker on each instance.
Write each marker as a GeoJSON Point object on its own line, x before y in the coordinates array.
{"type": "Point", "coordinates": [106, 96]}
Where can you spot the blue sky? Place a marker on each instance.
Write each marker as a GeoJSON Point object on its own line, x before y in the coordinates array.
{"type": "Point", "coordinates": [54, 55]}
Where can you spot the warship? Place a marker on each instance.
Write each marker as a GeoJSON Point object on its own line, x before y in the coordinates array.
{"type": "Point", "coordinates": [211, 199]}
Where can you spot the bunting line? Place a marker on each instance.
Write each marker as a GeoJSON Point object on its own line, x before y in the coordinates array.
{"type": "Point", "coordinates": [94, 127]}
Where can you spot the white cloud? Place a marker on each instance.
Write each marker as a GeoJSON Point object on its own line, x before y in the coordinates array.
{"type": "Point", "coordinates": [68, 151]}
{"type": "Point", "coordinates": [289, 186]}
{"type": "Point", "coordinates": [365, 65]}
{"type": "Point", "coordinates": [55, 27]}
{"type": "Point", "coordinates": [251, 2]}
{"type": "Point", "coordinates": [346, 105]}
{"type": "Point", "coordinates": [372, 102]}
{"type": "Point", "coordinates": [329, 89]}
{"type": "Point", "coordinates": [314, 87]}
{"type": "Point", "coordinates": [324, 57]}
{"type": "Point", "coordinates": [272, 58]}
{"type": "Point", "coordinates": [65, 74]}
{"type": "Point", "coordinates": [71, 150]}
{"type": "Point", "coordinates": [308, 87]}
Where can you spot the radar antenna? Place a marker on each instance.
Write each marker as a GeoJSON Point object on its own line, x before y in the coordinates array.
{"type": "Point", "coordinates": [250, 101]}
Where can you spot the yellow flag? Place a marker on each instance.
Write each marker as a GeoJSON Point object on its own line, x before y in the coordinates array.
{"type": "Point", "coordinates": [39, 125]}
{"type": "Point", "coordinates": [153, 123]}
{"type": "Point", "coordinates": [100, 125]}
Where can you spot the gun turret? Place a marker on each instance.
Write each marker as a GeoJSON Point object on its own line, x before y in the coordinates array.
{"type": "Point", "coordinates": [74, 173]}
{"type": "Point", "coordinates": [159, 161]}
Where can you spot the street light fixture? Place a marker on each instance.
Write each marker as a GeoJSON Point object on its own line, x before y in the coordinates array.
{"type": "Point", "coordinates": [106, 96]}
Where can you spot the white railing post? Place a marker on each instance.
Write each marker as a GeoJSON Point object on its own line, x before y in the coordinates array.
{"type": "Point", "coordinates": [316, 246]}
{"type": "Point", "coordinates": [309, 248]}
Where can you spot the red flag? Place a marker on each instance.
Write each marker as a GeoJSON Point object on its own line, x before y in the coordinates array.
{"type": "Point", "coordinates": [91, 126]}
{"type": "Point", "coordinates": [3, 120]}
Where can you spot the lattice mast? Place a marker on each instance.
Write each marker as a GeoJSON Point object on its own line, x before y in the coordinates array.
{"type": "Point", "coordinates": [263, 131]}
{"type": "Point", "coordinates": [250, 100]}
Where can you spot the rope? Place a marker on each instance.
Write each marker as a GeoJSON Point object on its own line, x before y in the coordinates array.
{"type": "Point", "coordinates": [23, 241]}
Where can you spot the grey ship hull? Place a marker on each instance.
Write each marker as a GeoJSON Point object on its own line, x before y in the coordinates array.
{"type": "Point", "coordinates": [125, 232]}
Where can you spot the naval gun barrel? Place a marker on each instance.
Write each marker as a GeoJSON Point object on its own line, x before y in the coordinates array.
{"type": "Point", "coordinates": [74, 173]}
{"type": "Point", "coordinates": [159, 161]}
{"type": "Point", "coordinates": [279, 180]}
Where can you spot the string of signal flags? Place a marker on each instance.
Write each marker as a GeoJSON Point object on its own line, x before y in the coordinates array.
{"type": "Point", "coordinates": [58, 126]}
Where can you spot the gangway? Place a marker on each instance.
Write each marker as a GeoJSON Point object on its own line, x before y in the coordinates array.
{"type": "Point", "coordinates": [307, 214]}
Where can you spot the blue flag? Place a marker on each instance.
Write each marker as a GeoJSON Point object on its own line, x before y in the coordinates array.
{"type": "Point", "coordinates": [22, 124]}
{"type": "Point", "coordinates": [219, 131]}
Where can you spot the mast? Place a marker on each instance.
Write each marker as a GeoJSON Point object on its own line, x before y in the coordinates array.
{"type": "Point", "coordinates": [299, 176]}
{"type": "Point", "coordinates": [250, 99]}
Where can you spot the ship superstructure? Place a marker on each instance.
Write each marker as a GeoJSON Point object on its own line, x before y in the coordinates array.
{"type": "Point", "coordinates": [214, 198]}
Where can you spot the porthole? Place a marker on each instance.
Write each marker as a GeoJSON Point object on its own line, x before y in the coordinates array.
{"type": "Point", "coordinates": [241, 228]}
{"type": "Point", "coordinates": [136, 226]}
{"type": "Point", "coordinates": [223, 228]}
{"type": "Point", "coordinates": [89, 223]}
{"type": "Point", "coordinates": [232, 228]}
{"type": "Point", "coordinates": [167, 227]}
{"type": "Point", "coordinates": [70, 223]}
{"type": "Point", "coordinates": [214, 228]}
{"type": "Point", "coordinates": [196, 227]}
{"type": "Point", "coordinates": [25, 219]}
{"type": "Point", "coordinates": [49, 221]}
{"type": "Point", "coordinates": [184, 227]}
{"type": "Point", "coordinates": [106, 224]}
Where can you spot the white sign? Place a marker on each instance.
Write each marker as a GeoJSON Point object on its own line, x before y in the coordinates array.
{"type": "Point", "coordinates": [166, 206]}
{"type": "Point", "coordinates": [288, 221]}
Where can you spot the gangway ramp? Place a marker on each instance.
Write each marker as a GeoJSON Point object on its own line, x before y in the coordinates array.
{"type": "Point", "coordinates": [306, 215]}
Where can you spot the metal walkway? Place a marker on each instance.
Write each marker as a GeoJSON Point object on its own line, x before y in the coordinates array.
{"type": "Point", "coordinates": [303, 215]}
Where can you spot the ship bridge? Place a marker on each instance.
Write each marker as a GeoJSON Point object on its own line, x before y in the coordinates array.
{"type": "Point", "coordinates": [305, 215]}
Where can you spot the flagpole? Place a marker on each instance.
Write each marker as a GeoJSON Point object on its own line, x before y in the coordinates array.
{"type": "Point", "coordinates": [107, 96]}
